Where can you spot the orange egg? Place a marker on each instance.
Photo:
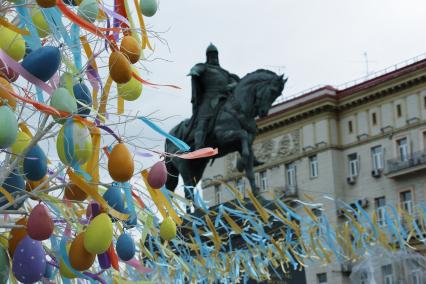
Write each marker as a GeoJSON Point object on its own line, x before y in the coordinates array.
{"type": "Point", "coordinates": [5, 95]}
{"type": "Point", "coordinates": [80, 258]}
{"type": "Point", "coordinates": [16, 235]}
{"type": "Point", "coordinates": [73, 192]}
{"type": "Point", "coordinates": [120, 163]}
{"type": "Point", "coordinates": [119, 68]}
{"type": "Point", "coordinates": [130, 47]}
{"type": "Point", "coordinates": [46, 3]}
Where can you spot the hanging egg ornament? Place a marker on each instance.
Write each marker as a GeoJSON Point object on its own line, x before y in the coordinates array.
{"type": "Point", "coordinates": [88, 10]}
{"type": "Point", "coordinates": [114, 198]}
{"type": "Point", "coordinates": [82, 95]}
{"type": "Point", "coordinates": [9, 127]}
{"type": "Point", "coordinates": [43, 62]}
{"type": "Point", "coordinates": [130, 47]}
{"type": "Point", "coordinates": [98, 235]}
{"type": "Point", "coordinates": [29, 261]}
{"type": "Point", "coordinates": [5, 86]}
{"type": "Point", "coordinates": [40, 23]}
{"type": "Point", "coordinates": [17, 234]}
{"type": "Point", "coordinates": [125, 247]}
{"type": "Point", "coordinates": [40, 225]}
{"type": "Point", "coordinates": [80, 258]}
{"type": "Point", "coordinates": [168, 229]}
{"type": "Point", "coordinates": [120, 163]}
{"type": "Point", "coordinates": [15, 185]}
{"type": "Point", "coordinates": [12, 43]}
{"type": "Point", "coordinates": [120, 69]}
{"type": "Point", "coordinates": [148, 7]}
{"type": "Point", "coordinates": [74, 143]}
{"type": "Point", "coordinates": [4, 264]}
{"type": "Point", "coordinates": [35, 164]}
{"type": "Point", "coordinates": [73, 192]}
{"type": "Point", "coordinates": [131, 90]}
{"type": "Point", "coordinates": [46, 3]}
{"type": "Point", "coordinates": [7, 72]}
{"type": "Point", "coordinates": [62, 100]}
{"type": "Point", "coordinates": [157, 175]}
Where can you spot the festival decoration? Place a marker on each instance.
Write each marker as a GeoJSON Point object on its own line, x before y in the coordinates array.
{"type": "Point", "coordinates": [4, 94]}
{"type": "Point", "coordinates": [157, 175]}
{"type": "Point", "coordinates": [40, 226]}
{"type": "Point", "coordinates": [149, 7]}
{"type": "Point", "coordinates": [120, 163]}
{"type": "Point", "coordinates": [62, 100]}
{"type": "Point", "coordinates": [168, 229]}
{"type": "Point", "coordinates": [119, 67]}
{"type": "Point", "coordinates": [29, 261]}
{"type": "Point", "coordinates": [9, 130]}
{"type": "Point", "coordinates": [80, 258]}
{"type": "Point", "coordinates": [35, 62]}
{"type": "Point", "coordinates": [125, 247]}
{"type": "Point", "coordinates": [100, 226]}
{"type": "Point", "coordinates": [12, 43]}
{"type": "Point", "coordinates": [131, 90]}
{"type": "Point", "coordinates": [4, 264]}
{"type": "Point", "coordinates": [84, 99]}
{"type": "Point", "coordinates": [34, 164]}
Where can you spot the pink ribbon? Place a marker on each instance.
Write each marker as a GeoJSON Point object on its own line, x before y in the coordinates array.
{"type": "Point", "coordinates": [201, 153]}
{"type": "Point", "coordinates": [138, 266]}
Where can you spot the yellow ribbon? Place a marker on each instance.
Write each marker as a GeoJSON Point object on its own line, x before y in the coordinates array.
{"type": "Point", "coordinates": [259, 208]}
{"type": "Point", "coordinates": [145, 40]}
{"type": "Point", "coordinates": [216, 239]}
{"type": "Point", "coordinates": [6, 194]}
{"type": "Point", "coordinates": [12, 27]}
{"type": "Point", "coordinates": [104, 99]}
{"type": "Point", "coordinates": [92, 166]}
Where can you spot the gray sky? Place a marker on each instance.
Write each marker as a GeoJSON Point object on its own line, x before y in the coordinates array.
{"type": "Point", "coordinates": [312, 41]}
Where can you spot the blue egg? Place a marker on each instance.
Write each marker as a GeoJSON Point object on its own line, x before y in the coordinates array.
{"type": "Point", "coordinates": [114, 198]}
{"type": "Point", "coordinates": [43, 62]}
{"type": "Point", "coordinates": [125, 247]}
{"type": "Point", "coordinates": [82, 94]}
{"type": "Point", "coordinates": [35, 164]}
{"type": "Point", "coordinates": [132, 221]}
{"type": "Point", "coordinates": [15, 185]}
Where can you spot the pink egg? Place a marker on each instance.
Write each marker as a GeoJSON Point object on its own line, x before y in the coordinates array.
{"type": "Point", "coordinates": [157, 176]}
{"type": "Point", "coordinates": [40, 226]}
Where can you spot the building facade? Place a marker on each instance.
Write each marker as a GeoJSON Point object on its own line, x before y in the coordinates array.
{"type": "Point", "coordinates": [365, 143]}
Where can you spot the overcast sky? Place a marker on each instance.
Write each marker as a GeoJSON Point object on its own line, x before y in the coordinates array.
{"type": "Point", "coordinates": [313, 41]}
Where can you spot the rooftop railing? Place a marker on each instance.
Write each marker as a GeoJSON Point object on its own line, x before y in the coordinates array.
{"type": "Point", "coordinates": [413, 160]}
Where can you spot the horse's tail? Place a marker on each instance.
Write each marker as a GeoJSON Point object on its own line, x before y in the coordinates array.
{"type": "Point", "coordinates": [172, 175]}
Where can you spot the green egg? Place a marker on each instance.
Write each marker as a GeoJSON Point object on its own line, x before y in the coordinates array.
{"type": "Point", "coordinates": [149, 7]}
{"type": "Point", "coordinates": [63, 100]}
{"type": "Point", "coordinates": [88, 10]}
{"type": "Point", "coordinates": [9, 128]}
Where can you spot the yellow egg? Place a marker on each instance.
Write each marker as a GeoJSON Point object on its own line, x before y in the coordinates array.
{"type": "Point", "coordinates": [98, 236]}
{"type": "Point", "coordinates": [12, 43]}
{"type": "Point", "coordinates": [131, 90]}
{"type": "Point", "coordinates": [22, 141]}
{"type": "Point", "coordinates": [168, 229]}
{"type": "Point", "coordinates": [40, 22]}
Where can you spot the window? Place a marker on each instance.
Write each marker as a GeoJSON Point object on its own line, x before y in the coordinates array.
{"type": "Point", "coordinates": [263, 181]}
{"type": "Point", "coordinates": [424, 140]}
{"type": "Point", "coordinates": [424, 101]}
{"type": "Point", "coordinates": [322, 278]}
{"type": "Point", "coordinates": [387, 274]}
{"type": "Point", "coordinates": [291, 174]}
{"type": "Point", "coordinates": [377, 157]}
{"type": "Point", "coordinates": [364, 278]}
{"type": "Point", "coordinates": [318, 213]}
{"type": "Point", "coordinates": [402, 148]}
{"type": "Point", "coordinates": [380, 203]}
{"type": "Point", "coordinates": [398, 110]}
{"type": "Point", "coordinates": [416, 276]}
{"type": "Point", "coordinates": [217, 193]}
{"type": "Point", "coordinates": [374, 118]}
{"type": "Point", "coordinates": [353, 165]}
{"type": "Point", "coordinates": [350, 127]}
{"type": "Point", "coordinates": [313, 165]}
{"type": "Point", "coordinates": [241, 185]}
{"type": "Point", "coordinates": [406, 198]}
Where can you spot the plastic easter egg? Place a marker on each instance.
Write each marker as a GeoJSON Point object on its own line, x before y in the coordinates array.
{"type": "Point", "coordinates": [11, 101]}
{"type": "Point", "coordinates": [157, 176]}
{"type": "Point", "coordinates": [149, 7]}
{"type": "Point", "coordinates": [4, 264]}
{"type": "Point", "coordinates": [98, 236]}
{"type": "Point", "coordinates": [62, 100]}
{"type": "Point", "coordinates": [35, 164]}
{"type": "Point", "coordinates": [74, 143]}
{"type": "Point", "coordinates": [125, 247]}
{"type": "Point", "coordinates": [73, 192]}
{"type": "Point", "coordinates": [104, 260]}
{"type": "Point", "coordinates": [63, 268]}
{"type": "Point", "coordinates": [119, 68]}
{"type": "Point", "coordinates": [29, 261]}
{"type": "Point", "coordinates": [131, 90]}
{"type": "Point", "coordinates": [114, 198]}
{"type": "Point", "coordinates": [12, 43]}
{"type": "Point", "coordinates": [80, 258]}
{"type": "Point", "coordinates": [9, 127]}
{"type": "Point", "coordinates": [7, 72]}
{"type": "Point", "coordinates": [40, 23]}
{"type": "Point", "coordinates": [40, 225]}
{"type": "Point", "coordinates": [168, 229]}
{"type": "Point", "coordinates": [132, 221]}
{"type": "Point", "coordinates": [88, 10]}
{"type": "Point", "coordinates": [131, 48]}
{"type": "Point", "coordinates": [120, 163]}
{"type": "Point", "coordinates": [16, 235]}
{"type": "Point", "coordinates": [46, 3]}
{"type": "Point", "coordinates": [14, 184]}
{"type": "Point", "coordinates": [43, 62]}
{"type": "Point", "coordinates": [83, 95]}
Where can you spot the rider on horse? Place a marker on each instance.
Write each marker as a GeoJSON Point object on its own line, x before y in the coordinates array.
{"type": "Point", "coordinates": [211, 85]}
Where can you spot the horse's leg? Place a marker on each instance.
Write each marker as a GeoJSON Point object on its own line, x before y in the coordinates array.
{"type": "Point", "coordinates": [250, 174]}
{"type": "Point", "coordinates": [172, 175]}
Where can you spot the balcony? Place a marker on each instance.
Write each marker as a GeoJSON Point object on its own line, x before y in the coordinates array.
{"type": "Point", "coordinates": [415, 162]}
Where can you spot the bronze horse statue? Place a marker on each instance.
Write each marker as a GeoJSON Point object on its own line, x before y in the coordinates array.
{"type": "Point", "coordinates": [233, 129]}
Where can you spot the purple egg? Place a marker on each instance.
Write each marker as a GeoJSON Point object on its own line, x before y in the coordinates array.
{"type": "Point", "coordinates": [29, 261]}
{"type": "Point", "coordinates": [157, 176]}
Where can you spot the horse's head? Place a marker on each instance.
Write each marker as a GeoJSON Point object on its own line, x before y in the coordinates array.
{"type": "Point", "coordinates": [267, 93]}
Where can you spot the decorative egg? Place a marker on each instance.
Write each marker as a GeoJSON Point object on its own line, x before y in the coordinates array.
{"type": "Point", "coordinates": [35, 164]}
{"type": "Point", "coordinates": [4, 264]}
{"type": "Point", "coordinates": [29, 261]}
{"type": "Point", "coordinates": [157, 176]}
{"type": "Point", "coordinates": [74, 143]}
{"type": "Point", "coordinates": [98, 236]}
{"type": "Point", "coordinates": [7, 72]}
{"type": "Point", "coordinates": [149, 7]}
{"type": "Point", "coordinates": [21, 143]}
{"type": "Point", "coordinates": [40, 224]}
{"type": "Point", "coordinates": [35, 62]}
{"type": "Point", "coordinates": [73, 192]}
{"type": "Point", "coordinates": [83, 95]}
{"type": "Point", "coordinates": [12, 43]}
{"type": "Point", "coordinates": [80, 258]}
{"type": "Point", "coordinates": [62, 100]}
{"type": "Point", "coordinates": [132, 221]}
{"type": "Point", "coordinates": [9, 127]}
{"type": "Point", "coordinates": [125, 247]}
{"type": "Point", "coordinates": [119, 68]}
{"type": "Point", "coordinates": [40, 23]}
{"type": "Point", "coordinates": [104, 261]}
{"type": "Point", "coordinates": [11, 101]}
{"type": "Point", "coordinates": [131, 90]}
{"type": "Point", "coordinates": [88, 10]}
{"type": "Point", "coordinates": [114, 198]}
{"type": "Point", "coordinates": [168, 229]}
{"type": "Point", "coordinates": [16, 235]}
{"type": "Point", "coordinates": [63, 268]}
{"type": "Point", "coordinates": [14, 184]}
{"type": "Point", "coordinates": [131, 48]}
{"type": "Point", "coordinates": [46, 3]}
{"type": "Point", "coordinates": [120, 163]}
